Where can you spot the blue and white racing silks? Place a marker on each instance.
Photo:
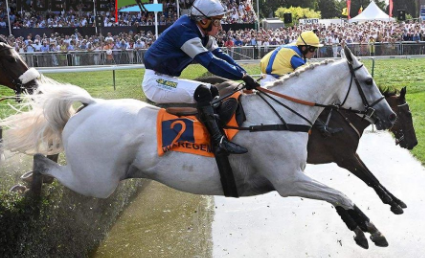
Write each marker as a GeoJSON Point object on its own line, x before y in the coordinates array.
{"type": "Point", "coordinates": [182, 43]}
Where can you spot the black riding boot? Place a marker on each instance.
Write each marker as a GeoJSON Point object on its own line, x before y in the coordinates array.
{"type": "Point", "coordinates": [206, 112]}
{"type": "Point", "coordinates": [326, 130]}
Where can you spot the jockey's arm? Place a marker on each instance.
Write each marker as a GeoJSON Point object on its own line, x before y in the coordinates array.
{"type": "Point", "coordinates": [297, 62]}
{"type": "Point", "coordinates": [219, 66]}
{"type": "Point", "coordinates": [218, 53]}
{"type": "Point", "coordinates": [194, 48]}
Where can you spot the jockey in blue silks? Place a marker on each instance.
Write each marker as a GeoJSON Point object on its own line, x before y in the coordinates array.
{"type": "Point", "coordinates": [191, 38]}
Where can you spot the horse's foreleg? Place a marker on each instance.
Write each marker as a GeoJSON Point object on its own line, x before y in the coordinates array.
{"type": "Point", "coordinates": [395, 199]}
{"type": "Point", "coordinates": [360, 237]}
{"type": "Point", "coordinates": [304, 186]}
{"type": "Point", "coordinates": [356, 166]}
{"type": "Point", "coordinates": [395, 203]}
{"type": "Point", "coordinates": [364, 223]}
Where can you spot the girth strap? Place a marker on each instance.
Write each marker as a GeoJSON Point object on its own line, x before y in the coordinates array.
{"type": "Point", "coordinates": [274, 127]}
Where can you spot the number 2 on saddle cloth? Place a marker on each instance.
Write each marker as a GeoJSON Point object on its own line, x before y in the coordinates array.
{"type": "Point", "coordinates": [185, 133]}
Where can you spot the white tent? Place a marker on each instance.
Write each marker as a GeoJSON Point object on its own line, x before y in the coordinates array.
{"type": "Point", "coordinates": [372, 13]}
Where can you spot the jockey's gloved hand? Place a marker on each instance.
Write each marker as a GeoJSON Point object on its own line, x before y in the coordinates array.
{"type": "Point", "coordinates": [250, 83]}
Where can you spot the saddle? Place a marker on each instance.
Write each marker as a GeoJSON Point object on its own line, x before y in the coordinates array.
{"type": "Point", "coordinates": [180, 129]}
{"type": "Point", "coordinates": [225, 110]}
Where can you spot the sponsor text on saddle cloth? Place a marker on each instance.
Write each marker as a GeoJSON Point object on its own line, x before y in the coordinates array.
{"type": "Point", "coordinates": [187, 133]}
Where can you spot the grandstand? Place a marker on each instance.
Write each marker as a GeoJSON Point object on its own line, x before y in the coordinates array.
{"type": "Point", "coordinates": [69, 38]}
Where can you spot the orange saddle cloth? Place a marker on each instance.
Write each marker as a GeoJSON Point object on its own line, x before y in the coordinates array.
{"type": "Point", "coordinates": [186, 134]}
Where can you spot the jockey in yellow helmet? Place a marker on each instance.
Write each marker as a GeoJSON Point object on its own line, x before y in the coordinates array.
{"type": "Point", "coordinates": [286, 58]}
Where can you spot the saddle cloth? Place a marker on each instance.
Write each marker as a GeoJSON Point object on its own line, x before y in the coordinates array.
{"type": "Point", "coordinates": [186, 134]}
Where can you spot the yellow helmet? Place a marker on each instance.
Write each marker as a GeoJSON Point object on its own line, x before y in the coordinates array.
{"type": "Point", "coordinates": [308, 38]}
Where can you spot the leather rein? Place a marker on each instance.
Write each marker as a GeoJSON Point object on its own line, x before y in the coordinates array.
{"type": "Point", "coordinates": [263, 92]}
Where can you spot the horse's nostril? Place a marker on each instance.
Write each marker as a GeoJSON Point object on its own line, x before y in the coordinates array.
{"type": "Point", "coordinates": [393, 117]}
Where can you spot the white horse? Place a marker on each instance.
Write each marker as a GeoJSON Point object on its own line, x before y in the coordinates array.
{"type": "Point", "coordinates": [112, 140]}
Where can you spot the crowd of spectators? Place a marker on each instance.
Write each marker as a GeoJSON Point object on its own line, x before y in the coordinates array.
{"type": "Point", "coordinates": [334, 34]}
{"type": "Point", "coordinates": [239, 12]}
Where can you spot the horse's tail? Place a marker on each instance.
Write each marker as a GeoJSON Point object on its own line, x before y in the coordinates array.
{"type": "Point", "coordinates": [38, 125]}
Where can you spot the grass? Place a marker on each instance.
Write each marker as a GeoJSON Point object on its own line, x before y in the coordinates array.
{"type": "Point", "coordinates": [55, 216]}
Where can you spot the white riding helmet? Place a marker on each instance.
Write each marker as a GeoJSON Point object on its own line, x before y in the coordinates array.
{"type": "Point", "coordinates": [207, 9]}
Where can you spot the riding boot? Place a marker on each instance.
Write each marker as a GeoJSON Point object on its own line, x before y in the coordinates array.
{"type": "Point", "coordinates": [206, 112]}
{"type": "Point", "coordinates": [325, 130]}
{"type": "Point", "coordinates": [219, 140]}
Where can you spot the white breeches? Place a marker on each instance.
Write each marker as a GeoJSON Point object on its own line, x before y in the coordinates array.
{"type": "Point", "coordinates": [161, 88]}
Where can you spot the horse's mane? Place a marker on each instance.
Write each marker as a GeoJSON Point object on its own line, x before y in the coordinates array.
{"type": "Point", "coordinates": [3, 40]}
{"type": "Point", "coordinates": [300, 71]}
{"type": "Point", "coordinates": [388, 92]}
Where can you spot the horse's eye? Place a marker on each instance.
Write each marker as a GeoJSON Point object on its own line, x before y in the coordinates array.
{"type": "Point", "coordinates": [369, 81]}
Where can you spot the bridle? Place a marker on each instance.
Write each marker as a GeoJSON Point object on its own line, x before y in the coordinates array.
{"type": "Point", "coordinates": [369, 110]}
{"type": "Point", "coordinates": [263, 92]}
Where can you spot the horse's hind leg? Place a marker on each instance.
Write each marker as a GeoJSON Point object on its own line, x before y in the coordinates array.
{"type": "Point", "coordinates": [83, 183]}
{"type": "Point", "coordinates": [36, 177]}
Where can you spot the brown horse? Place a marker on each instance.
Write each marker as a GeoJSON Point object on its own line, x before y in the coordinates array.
{"type": "Point", "coordinates": [342, 148]}
{"type": "Point", "coordinates": [14, 72]}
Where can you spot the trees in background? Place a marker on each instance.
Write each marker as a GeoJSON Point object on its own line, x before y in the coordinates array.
{"type": "Point", "coordinates": [333, 8]}
{"type": "Point", "coordinates": [297, 13]}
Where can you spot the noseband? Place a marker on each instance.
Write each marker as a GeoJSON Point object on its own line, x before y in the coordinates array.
{"type": "Point", "coordinates": [369, 110]}
{"type": "Point", "coordinates": [19, 87]}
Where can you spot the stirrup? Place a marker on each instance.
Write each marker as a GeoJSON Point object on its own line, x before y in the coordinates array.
{"type": "Point", "coordinates": [229, 147]}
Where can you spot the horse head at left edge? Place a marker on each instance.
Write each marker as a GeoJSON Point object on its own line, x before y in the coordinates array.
{"type": "Point", "coordinates": [14, 72]}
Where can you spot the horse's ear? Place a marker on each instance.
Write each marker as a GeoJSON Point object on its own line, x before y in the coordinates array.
{"type": "Point", "coordinates": [343, 53]}
{"type": "Point", "coordinates": [348, 54]}
{"type": "Point", "coordinates": [403, 93]}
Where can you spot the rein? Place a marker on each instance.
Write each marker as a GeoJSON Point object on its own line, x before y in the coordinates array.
{"type": "Point", "coordinates": [368, 112]}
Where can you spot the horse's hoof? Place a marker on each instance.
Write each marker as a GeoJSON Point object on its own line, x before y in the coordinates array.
{"type": "Point", "coordinates": [397, 209]}
{"type": "Point", "coordinates": [27, 177]}
{"type": "Point", "coordinates": [379, 240]}
{"type": "Point", "coordinates": [401, 204]}
{"type": "Point", "coordinates": [18, 188]}
{"type": "Point", "coordinates": [360, 238]}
